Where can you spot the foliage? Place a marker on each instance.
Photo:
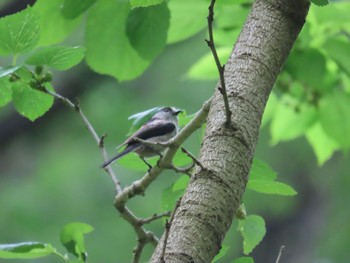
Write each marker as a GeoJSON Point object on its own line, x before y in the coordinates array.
{"type": "Point", "coordinates": [72, 237]}
{"type": "Point", "coordinates": [305, 98]}
{"type": "Point", "coordinates": [311, 103]}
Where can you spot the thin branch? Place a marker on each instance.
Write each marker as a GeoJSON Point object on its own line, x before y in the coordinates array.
{"type": "Point", "coordinates": [221, 69]}
{"type": "Point", "coordinates": [138, 187]}
{"type": "Point", "coordinates": [167, 229]}
{"type": "Point", "coordinates": [154, 217]}
{"type": "Point", "coordinates": [183, 170]}
{"type": "Point", "coordinates": [280, 253]}
{"type": "Point", "coordinates": [143, 236]}
{"type": "Point", "coordinates": [138, 251]}
{"type": "Point", "coordinates": [194, 159]}
{"type": "Point", "coordinates": [88, 125]}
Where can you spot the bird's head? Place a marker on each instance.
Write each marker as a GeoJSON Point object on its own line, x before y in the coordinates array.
{"type": "Point", "coordinates": [167, 113]}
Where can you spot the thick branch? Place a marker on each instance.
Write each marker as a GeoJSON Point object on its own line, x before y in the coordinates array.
{"type": "Point", "coordinates": [214, 194]}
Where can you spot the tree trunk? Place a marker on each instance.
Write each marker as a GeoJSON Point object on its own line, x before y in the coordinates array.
{"type": "Point", "coordinates": [206, 210]}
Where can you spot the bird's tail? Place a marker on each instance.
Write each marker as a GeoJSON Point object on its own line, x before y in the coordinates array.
{"type": "Point", "coordinates": [125, 151]}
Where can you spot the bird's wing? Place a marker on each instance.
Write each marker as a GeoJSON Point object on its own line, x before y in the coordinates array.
{"type": "Point", "coordinates": [149, 130]}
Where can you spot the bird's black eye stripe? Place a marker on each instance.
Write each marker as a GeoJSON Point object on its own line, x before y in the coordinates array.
{"type": "Point", "coordinates": [166, 109]}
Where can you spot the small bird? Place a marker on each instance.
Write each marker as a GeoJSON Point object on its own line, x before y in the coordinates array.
{"type": "Point", "coordinates": [161, 128]}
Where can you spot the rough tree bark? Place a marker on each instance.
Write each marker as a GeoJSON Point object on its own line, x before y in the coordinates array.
{"type": "Point", "coordinates": [207, 208]}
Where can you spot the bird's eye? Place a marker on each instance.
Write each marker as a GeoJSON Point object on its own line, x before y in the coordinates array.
{"type": "Point", "coordinates": [166, 109]}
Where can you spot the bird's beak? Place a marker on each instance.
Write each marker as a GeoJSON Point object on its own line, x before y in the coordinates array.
{"type": "Point", "coordinates": [177, 111]}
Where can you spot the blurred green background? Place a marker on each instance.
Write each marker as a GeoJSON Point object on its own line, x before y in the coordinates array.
{"type": "Point", "coordinates": [50, 175]}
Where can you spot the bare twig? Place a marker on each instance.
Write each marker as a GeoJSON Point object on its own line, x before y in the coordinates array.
{"type": "Point", "coordinates": [143, 236]}
{"type": "Point", "coordinates": [154, 217]}
{"type": "Point", "coordinates": [183, 170]}
{"type": "Point", "coordinates": [194, 159]}
{"type": "Point", "coordinates": [280, 254]}
{"type": "Point", "coordinates": [167, 228]}
{"type": "Point", "coordinates": [221, 69]}
{"type": "Point", "coordinates": [138, 251]}
{"type": "Point", "coordinates": [88, 125]}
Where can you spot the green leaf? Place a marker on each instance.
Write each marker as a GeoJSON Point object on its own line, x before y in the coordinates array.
{"type": "Point", "coordinates": [334, 112]}
{"type": "Point", "coordinates": [181, 159]}
{"type": "Point", "coordinates": [147, 29]}
{"type": "Point", "coordinates": [26, 250]}
{"type": "Point", "coordinates": [181, 183]}
{"type": "Point", "coordinates": [72, 237]}
{"type": "Point", "coordinates": [140, 118]}
{"type": "Point", "coordinates": [29, 102]}
{"type": "Point", "coordinates": [19, 33]}
{"type": "Point", "coordinates": [60, 58]}
{"type": "Point", "coordinates": [24, 74]}
{"type": "Point", "coordinates": [225, 12]}
{"type": "Point", "coordinates": [270, 187]}
{"type": "Point", "coordinates": [243, 260]}
{"type": "Point", "coordinates": [320, 2]}
{"type": "Point", "coordinates": [205, 68]}
{"type": "Point", "coordinates": [315, 75]}
{"type": "Point", "coordinates": [261, 171]}
{"type": "Point", "coordinates": [262, 180]}
{"type": "Point", "coordinates": [133, 162]}
{"type": "Point", "coordinates": [323, 145]}
{"type": "Point", "coordinates": [253, 231]}
{"type": "Point", "coordinates": [54, 28]}
{"type": "Point", "coordinates": [223, 252]}
{"type": "Point", "coordinates": [144, 3]}
{"type": "Point", "coordinates": [170, 197]}
{"type": "Point", "coordinates": [7, 71]}
{"type": "Point", "coordinates": [73, 8]}
{"type": "Point", "coordinates": [270, 109]}
{"type": "Point", "coordinates": [289, 121]}
{"type": "Point", "coordinates": [339, 51]}
{"type": "Point", "coordinates": [183, 22]}
{"type": "Point", "coordinates": [184, 119]}
{"type": "Point", "coordinates": [5, 92]}
{"type": "Point", "coordinates": [108, 48]}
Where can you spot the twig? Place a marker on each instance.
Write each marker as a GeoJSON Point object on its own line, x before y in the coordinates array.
{"type": "Point", "coordinates": [221, 69]}
{"type": "Point", "coordinates": [143, 236]}
{"type": "Point", "coordinates": [138, 251]}
{"type": "Point", "coordinates": [280, 254]}
{"type": "Point", "coordinates": [183, 170]}
{"type": "Point", "coordinates": [194, 159]}
{"type": "Point", "coordinates": [138, 187]}
{"type": "Point", "coordinates": [98, 140]}
{"type": "Point", "coordinates": [154, 217]}
{"type": "Point", "coordinates": [167, 228]}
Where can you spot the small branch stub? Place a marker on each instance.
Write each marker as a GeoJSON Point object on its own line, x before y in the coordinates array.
{"type": "Point", "coordinates": [280, 253]}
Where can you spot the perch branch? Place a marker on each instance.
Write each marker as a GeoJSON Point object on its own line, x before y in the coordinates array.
{"type": "Point", "coordinates": [138, 187]}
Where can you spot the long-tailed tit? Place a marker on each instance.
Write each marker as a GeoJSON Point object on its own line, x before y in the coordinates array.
{"type": "Point", "coordinates": [161, 128]}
